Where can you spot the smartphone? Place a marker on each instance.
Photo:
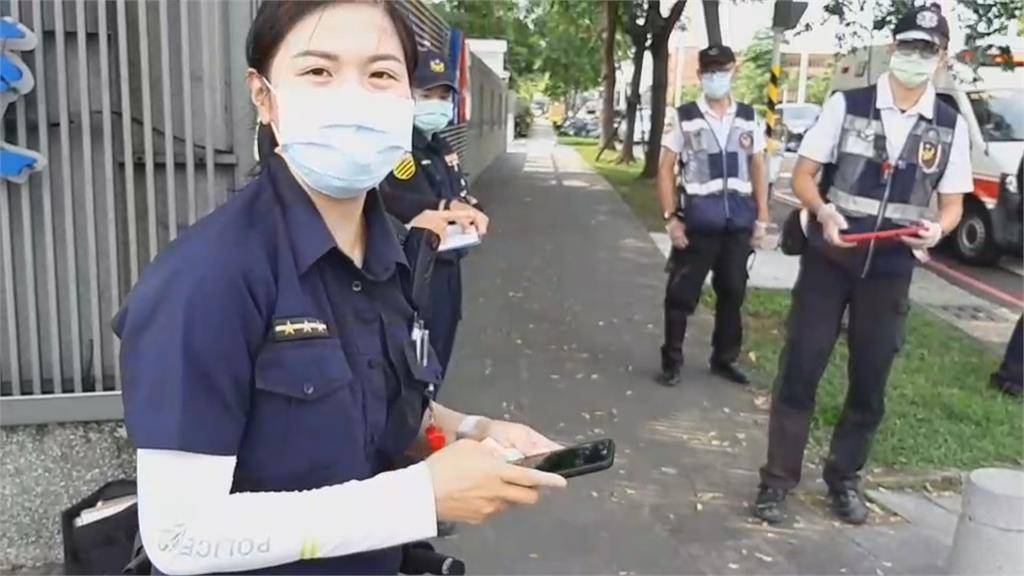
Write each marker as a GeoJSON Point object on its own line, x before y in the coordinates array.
{"type": "Point", "coordinates": [882, 235]}
{"type": "Point", "coordinates": [574, 461]}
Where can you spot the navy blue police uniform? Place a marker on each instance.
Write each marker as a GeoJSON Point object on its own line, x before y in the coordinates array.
{"type": "Point", "coordinates": [421, 181]}
{"type": "Point", "coordinates": [253, 335]}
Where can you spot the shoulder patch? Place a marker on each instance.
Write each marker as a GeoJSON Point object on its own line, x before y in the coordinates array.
{"type": "Point", "coordinates": [406, 168]}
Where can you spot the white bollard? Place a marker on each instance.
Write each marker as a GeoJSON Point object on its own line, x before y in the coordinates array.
{"type": "Point", "coordinates": [989, 535]}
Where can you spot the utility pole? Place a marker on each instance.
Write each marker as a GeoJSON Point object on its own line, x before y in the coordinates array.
{"type": "Point", "coordinates": [787, 15]}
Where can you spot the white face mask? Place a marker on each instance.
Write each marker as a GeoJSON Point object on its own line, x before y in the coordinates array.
{"type": "Point", "coordinates": [342, 142]}
{"type": "Point", "coordinates": [912, 70]}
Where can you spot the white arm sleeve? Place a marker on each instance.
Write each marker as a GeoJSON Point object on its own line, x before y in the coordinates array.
{"type": "Point", "coordinates": [821, 140]}
{"type": "Point", "coordinates": [191, 524]}
{"type": "Point", "coordinates": [958, 178]}
{"type": "Point", "coordinates": [673, 135]}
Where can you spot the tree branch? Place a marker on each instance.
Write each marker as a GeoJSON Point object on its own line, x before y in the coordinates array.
{"type": "Point", "coordinates": [675, 13]}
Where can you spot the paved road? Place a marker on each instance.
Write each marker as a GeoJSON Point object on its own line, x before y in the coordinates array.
{"type": "Point", "coordinates": [562, 326]}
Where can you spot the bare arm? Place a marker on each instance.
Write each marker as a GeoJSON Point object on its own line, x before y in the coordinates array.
{"type": "Point", "coordinates": [804, 186]}
{"type": "Point", "coordinates": [666, 183]}
{"type": "Point", "coordinates": [951, 209]}
{"type": "Point", "coordinates": [759, 181]}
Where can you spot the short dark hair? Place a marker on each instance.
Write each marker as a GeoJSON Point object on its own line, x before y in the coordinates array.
{"type": "Point", "coordinates": [276, 18]}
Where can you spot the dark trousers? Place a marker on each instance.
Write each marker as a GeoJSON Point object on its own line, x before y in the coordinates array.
{"type": "Point", "coordinates": [878, 310]}
{"type": "Point", "coordinates": [1012, 367]}
{"type": "Point", "coordinates": [445, 308]}
{"type": "Point", "coordinates": [725, 256]}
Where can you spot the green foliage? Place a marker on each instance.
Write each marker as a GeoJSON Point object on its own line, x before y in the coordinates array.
{"type": "Point", "coordinates": [510, 20]}
{"type": "Point", "coordinates": [553, 45]}
{"type": "Point", "coordinates": [817, 85]}
{"type": "Point", "coordinates": [750, 82]}
{"type": "Point", "coordinates": [691, 92]}
{"type": "Point", "coordinates": [571, 45]}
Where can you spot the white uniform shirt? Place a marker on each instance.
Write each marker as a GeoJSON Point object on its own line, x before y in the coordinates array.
{"type": "Point", "coordinates": [821, 141]}
{"type": "Point", "coordinates": [720, 126]}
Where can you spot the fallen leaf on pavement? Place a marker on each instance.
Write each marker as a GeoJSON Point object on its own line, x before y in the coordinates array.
{"type": "Point", "coordinates": [733, 566]}
{"type": "Point", "coordinates": [669, 470]}
{"type": "Point", "coordinates": [763, 401]}
{"type": "Point", "coordinates": [764, 557]}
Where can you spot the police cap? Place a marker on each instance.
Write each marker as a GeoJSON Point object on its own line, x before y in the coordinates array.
{"type": "Point", "coordinates": [923, 23]}
{"type": "Point", "coordinates": [433, 70]}
{"type": "Point", "coordinates": [715, 56]}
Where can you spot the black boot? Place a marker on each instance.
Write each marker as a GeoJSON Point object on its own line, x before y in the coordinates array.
{"type": "Point", "coordinates": [769, 505]}
{"type": "Point", "coordinates": [849, 506]}
{"type": "Point", "coordinates": [730, 372]}
{"type": "Point", "coordinates": [669, 377]}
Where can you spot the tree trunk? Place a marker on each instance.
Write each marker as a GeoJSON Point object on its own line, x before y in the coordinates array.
{"type": "Point", "coordinates": [661, 29]}
{"type": "Point", "coordinates": [639, 37]}
{"type": "Point", "coordinates": [608, 76]}
{"type": "Point", "coordinates": [659, 86]}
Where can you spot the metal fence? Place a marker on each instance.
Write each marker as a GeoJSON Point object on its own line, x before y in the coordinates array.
{"type": "Point", "coordinates": [142, 111]}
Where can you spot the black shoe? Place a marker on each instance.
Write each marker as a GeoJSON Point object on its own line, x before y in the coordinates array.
{"type": "Point", "coordinates": [849, 506]}
{"type": "Point", "coordinates": [669, 377]}
{"type": "Point", "coordinates": [1008, 387]}
{"type": "Point", "coordinates": [769, 505]}
{"type": "Point", "coordinates": [730, 372]}
{"type": "Point", "coordinates": [445, 529]}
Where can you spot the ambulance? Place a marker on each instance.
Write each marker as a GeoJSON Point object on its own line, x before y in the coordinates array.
{"type": "Point", "coordinates": [991, 100]}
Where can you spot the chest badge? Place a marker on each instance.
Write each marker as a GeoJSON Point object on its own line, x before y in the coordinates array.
{"type": "Point", "coordinates": [747, 141]}
{"type": "Point", "coordinates": [452, 160]}
{"type": "Point", "coordinates": [299, 328]}
{"type": "Point", "coordinates": [929, 153]}
{"type": "Point", "coordinates": [406, 168]}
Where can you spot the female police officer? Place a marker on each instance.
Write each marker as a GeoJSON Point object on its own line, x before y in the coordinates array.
{"type": "Point", "coordinates": [430, 179]}
{"type": "Point", "coordinates": [269, 372]}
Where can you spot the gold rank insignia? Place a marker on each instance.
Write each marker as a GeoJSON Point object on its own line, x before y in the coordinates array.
{"type": "Point", "coordinates": [299, 328]}
{"type": "Point", "coordinates": [437, 65]}
{"type": "Point", "coordinates": [406, 168]}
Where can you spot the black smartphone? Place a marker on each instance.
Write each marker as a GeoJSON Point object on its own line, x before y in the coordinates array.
{"type": "Point", "coordinates": [575, 460]}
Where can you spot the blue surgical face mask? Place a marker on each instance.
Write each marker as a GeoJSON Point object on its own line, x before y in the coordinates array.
{"type": "Point", "coordinates": [342, 142]}
{"type": "Point", "coordinates": [716, 85]}
{"type": "Point", "coordinates": [432, 115]}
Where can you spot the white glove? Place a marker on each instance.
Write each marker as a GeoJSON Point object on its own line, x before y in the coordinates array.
{"type": "Point", "coordinates": [928, 237]}
{"type": "Point", "coordinates": [832, 223]}
{"type": "Point", "coordinates": [677, 233]}
{"type": "Point", "coordinates": [759, 238]}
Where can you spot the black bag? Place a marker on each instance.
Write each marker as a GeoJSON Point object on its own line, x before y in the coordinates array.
{"type": "Point", "coordinates": [793, 241]}
{"type": "Point", "coordinates": [107, 545]}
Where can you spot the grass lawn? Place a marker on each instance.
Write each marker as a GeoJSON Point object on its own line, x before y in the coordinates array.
{"type": "Point", "coordinates": [940, 412]}
{"type": "Point", "coordinates": [639, 194]}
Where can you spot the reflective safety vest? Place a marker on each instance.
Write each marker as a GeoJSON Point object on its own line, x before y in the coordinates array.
{"type": "Point", "coordinates": [875, 192]}
{"type": "Point", "coordinates": [714, 183]}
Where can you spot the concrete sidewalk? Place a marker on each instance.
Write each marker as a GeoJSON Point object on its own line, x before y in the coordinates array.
{"type": "Point", "coordinates": [562, 328]}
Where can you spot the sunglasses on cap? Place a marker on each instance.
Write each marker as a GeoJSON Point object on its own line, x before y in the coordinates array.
{"type": "Point", "coordinates": [923, 48]}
